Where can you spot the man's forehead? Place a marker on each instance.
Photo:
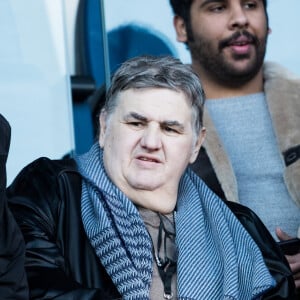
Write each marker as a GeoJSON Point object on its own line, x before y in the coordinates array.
{"type": "Point", "coordinates": [154, 103]}
{"type": "Point", "coordinates": [152, 93]}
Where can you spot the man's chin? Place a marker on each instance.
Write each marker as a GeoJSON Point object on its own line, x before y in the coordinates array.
{"type": "Point", "coordinates": [145, 185]}
{"type": "Point", "coordinates": [237, 73]}
{"type": "Point", "coordinates": [239, 65]}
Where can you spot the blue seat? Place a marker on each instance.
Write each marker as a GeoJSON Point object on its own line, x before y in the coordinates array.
{"type": "Point", "coordinates": [130, 40]}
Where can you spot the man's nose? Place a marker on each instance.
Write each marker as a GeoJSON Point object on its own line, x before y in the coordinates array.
{"type": "Point", "coordinates": [238, 17]}
{"type": "Point", "coordinates": [151, 138]}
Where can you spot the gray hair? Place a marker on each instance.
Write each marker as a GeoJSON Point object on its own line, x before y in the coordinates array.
{"type": "Point", "coordinates": [158, 72]}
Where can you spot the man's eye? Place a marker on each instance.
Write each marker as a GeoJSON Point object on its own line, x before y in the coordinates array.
{"type": "Point", "coordinates": [251, 4]}
{"type": "Point", "coordinates": [135, 124]}
{"type": "Point", "coordinates": [217, 8]}
{"type": "Point", "coordinates": [170, 129]}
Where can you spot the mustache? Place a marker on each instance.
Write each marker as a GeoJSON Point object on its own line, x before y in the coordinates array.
{"type": "Point", "coordinates": [230, 40]}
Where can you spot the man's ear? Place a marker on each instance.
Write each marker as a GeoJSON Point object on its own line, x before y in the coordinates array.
{"type": "Point", "coordinates": [269, 30]}
{"type": "Point", "coordinates": [103, 125]}
{"type": "Point", "coordinates": [180, 29]}
{"type": "Point", "coordinates": [198, 144]}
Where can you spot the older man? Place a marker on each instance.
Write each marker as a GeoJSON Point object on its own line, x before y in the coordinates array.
{"type": "Point", "coordinates": [128, 219]}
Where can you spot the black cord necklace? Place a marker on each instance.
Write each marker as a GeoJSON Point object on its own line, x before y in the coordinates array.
{"type": "Point", "coordinates": [167, 266]}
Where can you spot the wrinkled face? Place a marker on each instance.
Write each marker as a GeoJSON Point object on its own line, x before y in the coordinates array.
{"type": "Point", "coordinates": [148, 140]}
{"type": "Point", "coordinates": [227, 38]}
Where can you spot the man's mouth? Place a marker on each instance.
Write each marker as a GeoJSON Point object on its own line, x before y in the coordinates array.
{"type": "Point", "coordinates": [238, 39]}
{"type": "Point", "coordinates": [150, 159]}
{"type": "Point", "coordinates": [240, 45]}
{"type": "Point", "coordinates": [241, 41]}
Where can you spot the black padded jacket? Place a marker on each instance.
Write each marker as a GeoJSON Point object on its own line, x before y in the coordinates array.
{"type": "Point", "coordinates": [13, 282]}
{"type": "Point", "coordinates": [60, 262]}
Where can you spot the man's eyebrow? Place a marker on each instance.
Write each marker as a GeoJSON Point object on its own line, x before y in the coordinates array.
{"type": "Point", "coordinates": [206, 2]}
{"type": "Point", "coordinates": [134, 115]}
{"type": "Point", "coordinates": [174, 123]}
{"type": "Point", "coordinates": [169, 123]}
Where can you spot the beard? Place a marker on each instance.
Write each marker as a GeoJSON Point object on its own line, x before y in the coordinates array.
{"type": "Point", "coordinates": [220, 68]}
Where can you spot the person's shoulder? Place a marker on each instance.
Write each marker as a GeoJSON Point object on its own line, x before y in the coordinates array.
{"type": "Point", "coordinates": [241, 211]}
{"type": "Point", "coordinates": [46, 165]}
{"type": "Point", "coordinates": [253, 224]}
{"type": "Point", "coordinates": [43, 186]}
{"type": "Point", "coordinates": [41, 175]}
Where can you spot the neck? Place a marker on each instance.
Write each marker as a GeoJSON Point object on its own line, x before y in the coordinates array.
{"type": "Point", "coordinates": [158, 201]}
{"type": "Point", "coordinates": [215, 89]}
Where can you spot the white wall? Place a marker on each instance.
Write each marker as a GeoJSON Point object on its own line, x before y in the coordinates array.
{"type": "Point", "coordinates": [284, 40]}
{"type": "Point", "coordinates": [34, 81]}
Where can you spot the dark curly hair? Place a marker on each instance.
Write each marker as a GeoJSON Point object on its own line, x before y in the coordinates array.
{"type": "Point", "coordinates": [182, 8]}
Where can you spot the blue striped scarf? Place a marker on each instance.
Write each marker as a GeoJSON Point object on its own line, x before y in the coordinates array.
{"type": "Point", "coordinates": [217, 257]}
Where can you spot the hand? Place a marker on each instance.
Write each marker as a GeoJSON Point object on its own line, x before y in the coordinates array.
{"type": "Point", "coordinates": [293, 260]}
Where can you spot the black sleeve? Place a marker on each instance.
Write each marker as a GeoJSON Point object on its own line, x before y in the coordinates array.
{"type": "Point", "coordinates": [13, 282]}
{"type": "Point", "coordinates": [34, 198]}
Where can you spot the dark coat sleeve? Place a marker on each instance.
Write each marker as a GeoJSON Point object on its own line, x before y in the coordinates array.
{"type": "Point", "coordinates": [60, 262]}
{"type": "Point", "coordinates": [13, 282]}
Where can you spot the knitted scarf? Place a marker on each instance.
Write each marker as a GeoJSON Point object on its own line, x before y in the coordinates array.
{"type": "Point", "coordinates": [217, 259]}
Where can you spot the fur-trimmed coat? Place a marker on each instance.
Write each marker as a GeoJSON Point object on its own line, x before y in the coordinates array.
{"type": "Point", "coordinates": [283, 98]}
